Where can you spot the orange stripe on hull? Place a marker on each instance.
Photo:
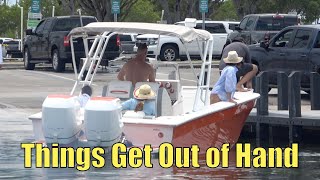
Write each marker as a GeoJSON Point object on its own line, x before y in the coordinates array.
{"type": "Point", "coordinates": [214, 129]}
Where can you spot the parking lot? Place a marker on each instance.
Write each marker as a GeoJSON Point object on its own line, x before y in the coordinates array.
{"type": "Point", "coordinates": [28, 89]}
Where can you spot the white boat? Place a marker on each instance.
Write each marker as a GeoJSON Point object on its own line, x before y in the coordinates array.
{"type": "Point", "coordinates": [184, 116]}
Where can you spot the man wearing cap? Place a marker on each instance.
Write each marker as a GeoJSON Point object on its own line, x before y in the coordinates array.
{"type": "Point", "coordinates": [226, 85]}
{"type": "Point", "coordinates": [137, 69]}
{"type": "Point", "coordinates": [247, 70]}
{"type": "Point", "coordinates": [143, 100]}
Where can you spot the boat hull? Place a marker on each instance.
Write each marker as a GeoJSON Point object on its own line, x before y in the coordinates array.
{"type": "Point", "coordinates": [205, 131]}
{"type": "Point", "coordinates": [213, 130]}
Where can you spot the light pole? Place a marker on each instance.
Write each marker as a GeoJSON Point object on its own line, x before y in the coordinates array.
{"type": "Point", "coordinates": [21, 36]}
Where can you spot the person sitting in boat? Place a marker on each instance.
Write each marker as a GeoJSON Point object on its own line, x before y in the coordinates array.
{"type": "Point", "coordinates": [226, 85]}
{"type": "Point", "coordinates": [86, 93]}
{"type": "Point", "coordinates": [143, 101]}
{"type": "Point", "coordinates": [137, 69]}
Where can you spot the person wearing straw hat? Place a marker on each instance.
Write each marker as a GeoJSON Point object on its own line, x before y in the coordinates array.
{"type": "Point", "coordinates": [143, 100]}
{"type": "Point", "coordinates": [226, 85]}
{"type": "Point", "coordinates": [248, 70]}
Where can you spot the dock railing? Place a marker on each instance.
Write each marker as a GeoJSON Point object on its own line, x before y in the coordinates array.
{"type": "Point", "coordinates": [288, 112]}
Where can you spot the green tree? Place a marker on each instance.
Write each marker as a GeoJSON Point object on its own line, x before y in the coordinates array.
{"type": "Point", "coordinates": [226, 11]}
{"type": "Point", "coordinates": [102, 8]}
{"type": "Point", "coordinates": [143, 11]}
{"type": "Point", "coordinates": [10, 21]}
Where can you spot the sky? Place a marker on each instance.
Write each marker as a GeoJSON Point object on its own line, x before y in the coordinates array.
{"type": "Point", "coordinates": [9, 2]}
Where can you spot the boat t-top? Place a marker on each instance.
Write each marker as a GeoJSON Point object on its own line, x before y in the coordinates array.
{"type": "Point", "coordinates": [184, 115]}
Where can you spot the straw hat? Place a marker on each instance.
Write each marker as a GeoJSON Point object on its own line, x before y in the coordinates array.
{"type": "Point", "coordinates": [144, 92]}
{"type": "Point", "coordinates": [232, 58]}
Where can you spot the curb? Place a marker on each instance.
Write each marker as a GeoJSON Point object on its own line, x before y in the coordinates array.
{"type": "Point", "coordinates": [8, 65]}
{"type": "Point", "coordinates": [12, 65]}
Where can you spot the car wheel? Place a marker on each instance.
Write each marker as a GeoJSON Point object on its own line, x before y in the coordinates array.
{"type": "Point", "coordinates": [169, 53]}
{"type": "Point", "coordinates": [26, 60]}
{"type": "Point", "coordinates": [57, 63]}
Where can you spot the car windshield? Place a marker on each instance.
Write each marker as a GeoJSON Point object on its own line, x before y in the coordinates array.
{"type": "Point", "coordinates": [69, 24]}
{"type": "Point", "coordinates": [275, 23]}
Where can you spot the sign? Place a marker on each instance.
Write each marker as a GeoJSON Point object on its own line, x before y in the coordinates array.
{"type": "Point", "coordinates": [203, 6]}
{"type": "Point", "coordinates": [35, 6]}
{"type": "Point", "coordinates": [32, 23]}
{"type": "Point", "coordinates": [34, 15]}
{"type": "Point", "coordinates": [115, 6]}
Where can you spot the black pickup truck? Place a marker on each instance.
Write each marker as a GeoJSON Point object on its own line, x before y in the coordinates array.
{"type": "Point", "coordinates": [295, 48]}
{"type": "Point", "coordinates": [253, 27]}
{"type": "Point", "coordinates": [49, 43]}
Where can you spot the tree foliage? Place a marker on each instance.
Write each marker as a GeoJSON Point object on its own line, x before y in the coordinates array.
{"type": "Point", "coordinates": [177, 10]}
{"type": "Point", "coordinates": [143, 11]}
{"type": "Point", "coordinates": [150, 10]}
{"type": "Point", "coordinates": [9, 21]}
{"type": "Point", "coordinates": [102, 8]}
{"type": "Point", "coordinates": [226, 11]}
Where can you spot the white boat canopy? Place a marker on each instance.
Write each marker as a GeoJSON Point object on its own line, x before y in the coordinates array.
{"type": "Point", "coordinates": [102, 31]}
{"type": "Point", "coordinates": [186, 34]}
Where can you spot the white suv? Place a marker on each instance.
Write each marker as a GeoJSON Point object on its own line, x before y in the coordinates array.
{"type": "Point", "coordinates": [171, 47]}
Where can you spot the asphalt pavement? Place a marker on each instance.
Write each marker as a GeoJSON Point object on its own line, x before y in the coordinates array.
{"type": "Point", "coordinates": [27, 89]}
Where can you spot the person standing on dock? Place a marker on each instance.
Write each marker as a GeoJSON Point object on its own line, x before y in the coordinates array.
{"type": "Point", "coordinates": [137, 69]}
{"type": "Point", "coordinates": [226, 85]}
{"type": "Point", "coordinates": [247, 70]}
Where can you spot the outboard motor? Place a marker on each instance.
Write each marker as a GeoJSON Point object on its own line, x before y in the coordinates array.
{"type": "Point", "coordinates": [61, 119]}
{"type": "Point", "coordinates": [102, 119]}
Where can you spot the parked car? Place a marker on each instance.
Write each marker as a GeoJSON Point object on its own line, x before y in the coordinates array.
{"type": "Point", "coordinates": [13, 48]}
{"type": "Point", "coordinates": [295, 48]}
{"type": "Point", "coordinates": [171, 48]}
{"type": "Point", "coordinates": [127, 43]}
{"type": "Point", "coordinates": [253, 27]}
{"type": "Point", "coordinates": [3, 49]}
{"type": "Point", "coordinates": [49, 43]}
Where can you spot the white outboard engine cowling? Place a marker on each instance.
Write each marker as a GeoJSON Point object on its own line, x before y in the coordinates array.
{"type": "Point", "coordinates": [102, 119]}
{"type": "Point", "coordinates": [61, 121]}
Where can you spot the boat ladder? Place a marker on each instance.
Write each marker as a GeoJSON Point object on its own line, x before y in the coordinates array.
{"type": "Point", "coordinates": [203, 85]}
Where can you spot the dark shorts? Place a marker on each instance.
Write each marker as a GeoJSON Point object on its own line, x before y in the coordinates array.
{"type": "Point", "coordinates": [245, 68]}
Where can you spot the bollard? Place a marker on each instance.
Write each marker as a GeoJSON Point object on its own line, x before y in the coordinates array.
{"type": "Point", "coordinates": [262, 87]}
{"type": "Point", "coordinates": [294, 94]}
{"type": "Point", "coordinates": [270, 135]}
{"type": "Point", "coordinates": [258, 134]}
{"type": "Point", "coordinates": [282, 81]}
{"type": "Point", "coordinates": [314, 87]}
{"type": "Point", "coordinates": [254, 84]}
{"type": "Point", "coordinates": [290, 134]}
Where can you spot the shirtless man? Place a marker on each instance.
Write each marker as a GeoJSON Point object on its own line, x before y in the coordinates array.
{"type": "Point", "coordinates": [136, 69]}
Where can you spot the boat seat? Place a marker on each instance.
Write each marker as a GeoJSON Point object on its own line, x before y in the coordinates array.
{"type": "Point", "coordinates": [119, 89]}
{"type": "Point", "coordinates": [163, 101]}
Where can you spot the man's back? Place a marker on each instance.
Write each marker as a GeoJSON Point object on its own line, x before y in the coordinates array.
{"type": "Point", "coordinates": [137, 71]}
{"type": "Point", "coordinates": [241, 49]}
